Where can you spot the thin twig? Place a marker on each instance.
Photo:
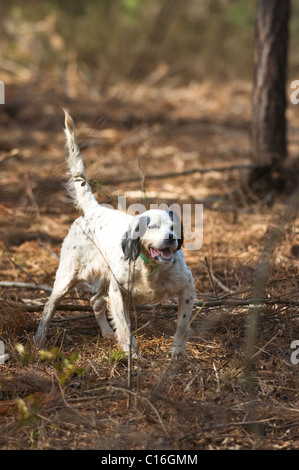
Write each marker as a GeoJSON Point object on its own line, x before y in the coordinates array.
{"type": "Point", "coordinates": [210, 277]}
{"type": "Point", "coordinates": [125, 390]}
{"type": "Point", "coordinates": [93, 367]}
{"type": "Point", "coordinates": [193, 378]}
{"type": "Point", "coordinates": [133, 179]}
{"type": "Point", "coordinates": [221, 285]}
{"type": "Point", "coordinates": [264, 347]}
{"type": "Point", "coordinates": [48, 249]}
{"type": "Point", "coordinates": [24, 271]}
{"type": "Point", "coordinates": [217, 376]}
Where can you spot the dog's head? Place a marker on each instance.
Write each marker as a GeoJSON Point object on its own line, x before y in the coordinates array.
{"type": "Point", "coordinates": [158, 233]}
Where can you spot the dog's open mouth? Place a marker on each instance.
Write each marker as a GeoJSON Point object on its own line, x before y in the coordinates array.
{"type": "Point", "coordinates": [163, 255]}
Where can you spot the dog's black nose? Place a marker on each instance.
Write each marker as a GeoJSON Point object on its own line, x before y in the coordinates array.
{"type": "Point", "coordinates": [171, 239]}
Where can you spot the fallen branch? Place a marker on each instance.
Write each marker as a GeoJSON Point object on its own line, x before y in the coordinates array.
{"type": "Point", "coordinates": [25, 285]}
{"type": "Point", "coordinates": [174, 174]}
{"type": "Point", "coordinates": [251, 303]}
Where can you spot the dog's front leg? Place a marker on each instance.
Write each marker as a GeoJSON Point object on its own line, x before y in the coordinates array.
{"type": "Point", "coordinates": [186, 302]}
{"type": "Point", "coordinates": [121, 320]}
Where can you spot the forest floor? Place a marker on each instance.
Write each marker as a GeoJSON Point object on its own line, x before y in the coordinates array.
{"type": "Point", "coordinates": [81, 395]}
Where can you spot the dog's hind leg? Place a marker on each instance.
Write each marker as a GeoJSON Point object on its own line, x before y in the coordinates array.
{"type": "Point", "coordinates": [99, 307]}
{"type": "Point", "coordinates": [63, 283]}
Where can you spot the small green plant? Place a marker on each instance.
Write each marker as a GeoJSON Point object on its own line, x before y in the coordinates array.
{"type": "Point", "coordinates": [117, 355]}
{"type": "Point", "coordinates": [26, 410]}
{"type": "Point", "coordinates": [23, 411]}
{"type": "Point", "coordinates": [25, 357]}
{"type": "Point", "coordinates": [34, 435]}
{"type": "Point", "coordinates": [66, 367]}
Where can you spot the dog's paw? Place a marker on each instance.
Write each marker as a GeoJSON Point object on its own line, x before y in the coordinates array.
{"type": "Point", "coordinates": [133, 353]}
{"type": "Point", "coordinates": [177, 351]}
{"type": "Point", "coordinates": [109, 335]}
{"type": "Point", "coordinates": [130, 349]}
{"type": "Point", "coordinates": [39, 339]}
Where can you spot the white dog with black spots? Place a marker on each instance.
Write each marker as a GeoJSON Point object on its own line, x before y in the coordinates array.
{"type": "Point", "coordinates": [128, 260]}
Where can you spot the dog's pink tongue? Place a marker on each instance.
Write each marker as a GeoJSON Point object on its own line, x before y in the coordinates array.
{"type": "Point", "coordinates": [164, 253]}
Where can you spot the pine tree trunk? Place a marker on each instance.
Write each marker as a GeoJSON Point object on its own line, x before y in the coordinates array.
{"type": "Point", "coordinates": [269, 88]}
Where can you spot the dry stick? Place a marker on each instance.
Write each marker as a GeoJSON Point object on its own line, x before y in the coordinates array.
{"type": "Point", "coordinates": [221, 285]}
{"type": "Point", "coordinates": [250, 303]}
{"type": "Point", "coordinates": [217, 377]}
{"type": "Point", "coordinates": [49, 250]}
{"type": "Point", "coordinates": [210, 277]}
{"type": "Point", "coordinates": [25, 285]}
{"type": "Point", "coordinates": [93, 368]}
{"type": "Point", "coordinates": [24, 271]}
{"type": "Point", "coordinates": [134, 179]}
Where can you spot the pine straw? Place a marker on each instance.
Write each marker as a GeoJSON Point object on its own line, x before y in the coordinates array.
{"type": "Point", "coordinates": [14, 321]}
{"type": "Point", "coordinates": [197, 402]}
{"type": "Point", "coordinates": [201, 401]}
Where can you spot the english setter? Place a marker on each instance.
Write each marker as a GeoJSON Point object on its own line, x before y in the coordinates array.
{"type": "Point", "coordinates": [128, 260]}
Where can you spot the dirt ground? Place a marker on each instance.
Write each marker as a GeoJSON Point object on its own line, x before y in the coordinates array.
{"type": "Point", "coordinates": [83, 395]}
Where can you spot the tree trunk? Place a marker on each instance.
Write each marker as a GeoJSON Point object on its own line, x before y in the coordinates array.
{"type": "Point", "coordinates": [269, 88]}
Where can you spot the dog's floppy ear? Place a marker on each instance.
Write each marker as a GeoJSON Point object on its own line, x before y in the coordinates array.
{"type": "Point", "coordinates": [131, 240]}
{"type": "Point", "coordinates": [181, 239]}
{"type": "Point", "coordinates": [130, 246]}
{"type": "Point", "coordinates": [178, 228]}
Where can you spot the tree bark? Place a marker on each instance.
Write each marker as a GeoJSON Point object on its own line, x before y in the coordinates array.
{"type": "Point", "coordinates": [269, 86]}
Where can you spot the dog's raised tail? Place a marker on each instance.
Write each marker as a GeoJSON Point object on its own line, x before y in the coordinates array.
{"type": "Point", "coordinates": [78, 185]}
